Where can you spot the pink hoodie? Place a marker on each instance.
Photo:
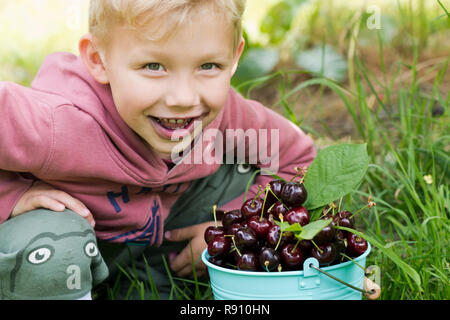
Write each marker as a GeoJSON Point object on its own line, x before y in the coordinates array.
{"type": "Point", "coordinates": [66, 131]}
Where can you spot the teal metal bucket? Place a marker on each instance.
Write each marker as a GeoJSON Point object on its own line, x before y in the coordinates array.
{"type": "Point", "coordinates": [312, 283]}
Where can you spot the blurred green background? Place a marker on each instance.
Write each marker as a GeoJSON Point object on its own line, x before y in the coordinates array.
{"type": "Point", "coordinates": [345, 71]}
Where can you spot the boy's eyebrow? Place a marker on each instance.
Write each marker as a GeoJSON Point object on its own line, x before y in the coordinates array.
{"type": "Point", "coordinates": [146, 54]}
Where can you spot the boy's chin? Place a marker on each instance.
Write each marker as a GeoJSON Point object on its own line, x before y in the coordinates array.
{"type": "Point", "coordinates": [175, 152]}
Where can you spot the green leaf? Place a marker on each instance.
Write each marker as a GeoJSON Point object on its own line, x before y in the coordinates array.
{"type": "Point", "coordinates": [407, 269]}
{"type": "Point", "coordinates": [323, 60]}
{"type": "Point", "coordinates": [335, 172]}
{"type": "Point", "coordinates": [283, 225]}
{"type": "Point", "coordinates": [295, 227]}
{"type": "Point", "coordinates": [256, 62]}
{"type": "Point", "coordinates": [311, 229]}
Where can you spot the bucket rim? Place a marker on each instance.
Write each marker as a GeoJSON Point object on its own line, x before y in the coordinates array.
{"type": "Point", "coordinates": [279, 274]}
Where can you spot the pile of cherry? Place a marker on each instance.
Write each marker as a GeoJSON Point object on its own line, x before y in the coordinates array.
{"type": "Point", "coordinates": [250, 238]}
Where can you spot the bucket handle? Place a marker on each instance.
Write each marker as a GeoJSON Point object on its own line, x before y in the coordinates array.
{"type": "Point", "coordinates": [368, 293]}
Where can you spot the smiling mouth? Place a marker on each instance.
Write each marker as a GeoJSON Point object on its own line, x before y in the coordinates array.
{"type": "Point", "coordinates": [174, 124]}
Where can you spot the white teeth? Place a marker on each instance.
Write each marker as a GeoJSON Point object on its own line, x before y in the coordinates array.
{"type": "Point", "coordinates": [180, 123]}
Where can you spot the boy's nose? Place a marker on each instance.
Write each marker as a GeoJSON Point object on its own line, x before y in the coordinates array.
{"type": "Point", "coordinates": [182, 94]}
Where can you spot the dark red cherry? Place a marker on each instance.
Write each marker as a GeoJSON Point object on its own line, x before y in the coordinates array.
{"type": "Point", "coordinates": [273, 236]}
{"type": "Point", "coordinates": [346, 219]}
{"type": "Point", "coordinates": [292, 258]}
{"type": "Point", "coordinates": [326, 254]}
{"type": "Point", "coordinates": [230, 217]}
{"type": "Point", "coordinates": [356, 245]}
{"type": "Point", "coordinates": [293, 194]}
{"type": "Point", "coordinates": [275, 186]}
{"type": "Point", "coordinates": [218, 261]}
{"type": "Point", "coordinates": [233, 228]}
{"type": "Point", "coordinates": [298, 214]}
{"type": "Point", "coordinates": [248, 261]}
{"type": "Point", "coordinates": [252, 207]}
{"type": "Point", "coordinates": [245, 238]}
{"type": "Point", "coordinates": [305, 246]}
{"type": "Point", "coordinates": [278, 209]}
{"type": "Point", "coordinates": [259, 225]}
{"type": "Point", "coordinates": [219, 246]}
{"type": "Point", "coordinates": [325, 235]}
{"type": "Point", "coordinates": [269, 259]}
{"type": "Point", "coordinates": [212, 232]}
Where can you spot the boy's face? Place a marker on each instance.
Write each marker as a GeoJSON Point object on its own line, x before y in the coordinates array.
{"type": "Point", "coordinates": [182, 78]}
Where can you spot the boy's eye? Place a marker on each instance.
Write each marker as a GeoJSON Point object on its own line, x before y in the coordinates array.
{"type": "Point", "coordinates": [153, 66]}
{"type": "Point", "coordinates": [209, 66]}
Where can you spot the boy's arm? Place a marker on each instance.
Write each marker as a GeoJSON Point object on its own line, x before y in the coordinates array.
{"type": "Point", "coordinates": [25, 140]}
{"type": "Point", "coordinates": [294, 147]}
{"type": "Point", "coordinates": [12, 188]}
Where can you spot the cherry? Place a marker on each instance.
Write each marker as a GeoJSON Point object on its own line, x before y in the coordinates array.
{"type": "Point", "coordinates": [245, 238]}
{"type": "Point", "coordinates": [248, 261]}
{"type": "Point", "coordinates": [340, 244]}
{"type": "Point", "coordinates": [269, 259]}
{"type": "Point", "coordinates": [231, 217]}
{"type": "Point", "coordinates": [325, 235]}
{"type": "Point", "coordinates": [212, 232]}
{"type": "Point", "coordinates": [277, 209]}
{"type": "Point", "coordinates": [252, 207]}
{"type": "Point", "coordinates": [346, 219]}
{"type": "Point", "coordinates": [356, 245]}
{"type": "Point", "coordinates": [291, 256]}
{"type": "Point", "coordinates": [219, 246]}
{"type": "Point", "coordinates": [218, 261]}
{"type": "Point", "coordinates": [305, 246]}
{"type": "Point", "coordinates": [293, 194]}
{"type": "Point", "coordinates": [298, 214]}
{"type": "Point", "coordinates": [273, 236]}
{"type": "Point", "coordinates": [326, 254]}
{"type": "Point", "coordinates": [259, 225]}
{"type": "Point", "coordinates": [233, 228]}
{"type": "Point", "coordinates": [275, 186]}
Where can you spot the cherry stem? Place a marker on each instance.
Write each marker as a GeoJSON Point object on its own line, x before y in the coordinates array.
{"type": "Point", "coordinates": [295, 247]}
{"type": "Point", "coordinates": [315, 245]}
{"type": "Point", "coordinates": [300, 171]}
{"type": "Point", "coordinates": [237, 250]}
{"type": "Point", "coordinates": [258, 192]}
{"type": "Point", "coordinates": [278, 199]}
{"type": "Point", "coordinates": [346, 256]}
{"type": "Point", "coordinates": [326, 212]}
{"type": "Point", "coordinates": [266, 264]}
{"type": "Point", "coordinates": [214, 213]}
{"type": "Point", "coordinates": [270, 208]}
{"type": "Point", "coordinates": [279, 240]}
{"type": "Point", "coordinates": [359, 210]}
{"type": "Point", "coordinates": [264, 203]}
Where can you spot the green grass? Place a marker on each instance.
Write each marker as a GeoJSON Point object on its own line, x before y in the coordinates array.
{"type": "Point", "coordinates": [406, 143]}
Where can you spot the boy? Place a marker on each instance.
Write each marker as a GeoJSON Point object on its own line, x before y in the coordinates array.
{"type": "Point", "coordinates": [100, 134]}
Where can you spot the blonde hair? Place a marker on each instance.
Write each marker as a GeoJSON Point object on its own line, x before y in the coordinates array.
{"type": "Point", "coordinates": [140, 13]}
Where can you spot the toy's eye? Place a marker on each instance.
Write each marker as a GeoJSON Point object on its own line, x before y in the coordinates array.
{"type": "Point", "coordinates": [244, 168]}
{"type": "Point", "coordinates": [91, 249]}
{"type": "Point", "coordinates": [40, 255]}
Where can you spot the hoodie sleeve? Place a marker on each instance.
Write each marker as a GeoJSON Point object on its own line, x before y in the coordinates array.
{"type": "Point", "coordinates": [272, 142]}
{"type": "Point", "coordinates": [25, 141]}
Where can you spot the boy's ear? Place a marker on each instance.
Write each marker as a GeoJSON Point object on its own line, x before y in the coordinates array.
{"type": "Point", "coordinates": [239, 51]}
{"type": "Point", "coordinates": [92, 59]}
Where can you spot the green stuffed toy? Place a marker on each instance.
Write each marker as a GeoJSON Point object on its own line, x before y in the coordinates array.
{"type": "Point", "coordinates": [46, 255]}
